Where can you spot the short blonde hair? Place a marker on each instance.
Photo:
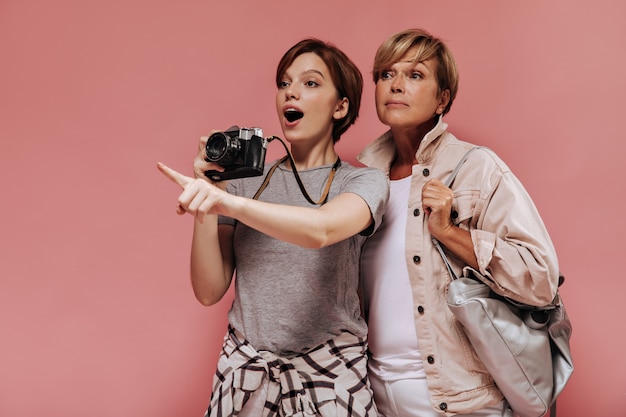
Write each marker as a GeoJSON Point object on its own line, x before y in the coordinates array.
{"type": "Point", "coordinates": [428, 47]}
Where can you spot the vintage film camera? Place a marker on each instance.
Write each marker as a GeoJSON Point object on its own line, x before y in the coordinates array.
{"type": "Point", "coordinates": [241, 151]}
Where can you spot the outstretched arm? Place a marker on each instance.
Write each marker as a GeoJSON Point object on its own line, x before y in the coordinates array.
{"type": "Point", "coordinates": [339, 219]}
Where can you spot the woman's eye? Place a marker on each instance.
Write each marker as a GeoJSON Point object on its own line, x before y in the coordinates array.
{"type": "Point", "coordinates": [311, 83]}
{"type": "Point", "coordinates": [283, 84]}
{"type": "Point", "coordinates": [416, 75]}
{"type": "Point", "coordinates": [385, 75]}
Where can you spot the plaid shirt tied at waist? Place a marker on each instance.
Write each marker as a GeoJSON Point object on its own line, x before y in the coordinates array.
{"type": "Point", "coordinates": [328, 381]}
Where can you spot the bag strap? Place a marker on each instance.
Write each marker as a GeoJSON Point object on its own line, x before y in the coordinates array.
{"type": "Point", "coordinates": [447, 183]}
{"type": "Point", "coordinates": [459, 165]}
{"type": "Point", "coordinates": [324, 197]}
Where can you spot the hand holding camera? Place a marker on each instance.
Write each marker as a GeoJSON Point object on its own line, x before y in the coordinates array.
{"type": "Point", "coordinates": [239, 151]}
{"type": "Point", "coordinates": [201, 165]}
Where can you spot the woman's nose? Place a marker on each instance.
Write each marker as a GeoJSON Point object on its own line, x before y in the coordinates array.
{"type": "Point", "coordinates": [291, 92]}
{"type": "Point", "coordinates": [397, 85]}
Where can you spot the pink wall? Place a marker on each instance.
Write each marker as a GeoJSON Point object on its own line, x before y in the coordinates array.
{"type": "Point", "coordinates": [96, 311]}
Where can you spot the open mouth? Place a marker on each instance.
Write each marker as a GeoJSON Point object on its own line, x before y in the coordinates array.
{"type": "Point", "coordinates": [292, 115]}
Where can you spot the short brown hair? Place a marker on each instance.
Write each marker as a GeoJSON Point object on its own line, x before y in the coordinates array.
{"type": "Point", "coordinates": [345, 75]}
{"type": "Point", "coordinates": [428, 47]}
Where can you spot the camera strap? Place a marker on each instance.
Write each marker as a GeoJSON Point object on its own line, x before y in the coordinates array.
{"type": "Point", "coordinates": [324, 196]}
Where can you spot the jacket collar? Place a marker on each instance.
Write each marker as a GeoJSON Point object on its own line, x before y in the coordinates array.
{"type": "Point", "coordinates": [380, 153]}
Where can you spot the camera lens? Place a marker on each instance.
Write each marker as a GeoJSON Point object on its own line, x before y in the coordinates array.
{"type": "Point", "coordinates": [222, 149]}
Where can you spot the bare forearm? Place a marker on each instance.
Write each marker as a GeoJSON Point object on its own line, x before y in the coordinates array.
{"type": "Point", "coordinates": [459, 242]}
{"type": "Point", "coordinates": [340, 219]}
{"type": "Point", "coordinates": [211, 273]}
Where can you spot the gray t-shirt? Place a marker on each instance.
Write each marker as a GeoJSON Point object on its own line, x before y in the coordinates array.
{"type": "Point", "coordinates": [290, 299]}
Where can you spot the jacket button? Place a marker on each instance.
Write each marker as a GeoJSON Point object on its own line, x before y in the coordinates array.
{"type": "Point", "coordinates": [420, 309]}
{"type": "Point", "coordinates": [443, 406]}
{"type": "Point", "coordinates": [416, 259]}
{"type": "Point", "coordinates": [416, 212]}
{"type": "Point", "coordinates": [426, 172]}
{"type": "Point", "coordinates": [430, 359]}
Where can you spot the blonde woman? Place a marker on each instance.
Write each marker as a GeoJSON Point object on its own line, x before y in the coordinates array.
{"type": "Point", "coordinates": [421, 362]}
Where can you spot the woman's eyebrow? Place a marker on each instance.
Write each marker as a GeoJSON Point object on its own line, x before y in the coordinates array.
{"type": "Point", "coordinates": [314, 71]}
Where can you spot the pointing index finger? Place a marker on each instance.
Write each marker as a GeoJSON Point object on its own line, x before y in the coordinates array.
{"type": "Point", "coordinates": [175, 176]}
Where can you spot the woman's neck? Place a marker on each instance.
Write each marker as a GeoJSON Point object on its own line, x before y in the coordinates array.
{"type": "Point", "coordinates": [306, 158]}
{"type": "Point", "coordinates": [408, 141]}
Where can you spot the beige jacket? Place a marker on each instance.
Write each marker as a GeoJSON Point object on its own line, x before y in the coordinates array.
{"type": "Point", "coordinates": [513, 249]}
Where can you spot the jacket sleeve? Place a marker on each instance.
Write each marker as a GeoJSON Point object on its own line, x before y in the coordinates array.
{"type": "Point", "coordinates": [514, 251]}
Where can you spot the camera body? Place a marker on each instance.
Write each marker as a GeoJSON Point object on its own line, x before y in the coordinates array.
{"type": "Point", "coordinates": [240, 151]}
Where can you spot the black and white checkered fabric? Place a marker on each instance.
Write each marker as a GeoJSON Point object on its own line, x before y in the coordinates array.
{"type": "Point", "coordinates": [329, 381]}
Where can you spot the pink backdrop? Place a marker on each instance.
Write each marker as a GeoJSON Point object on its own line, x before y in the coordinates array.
{"type": "Point", "coordinates": [96, 311]}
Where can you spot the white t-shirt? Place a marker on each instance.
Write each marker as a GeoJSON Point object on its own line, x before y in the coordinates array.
{"type": "Point", "coordinates": [388, 295]}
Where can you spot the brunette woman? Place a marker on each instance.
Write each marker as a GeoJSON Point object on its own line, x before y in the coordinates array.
{"type": "Point", "coordinates": [296, 343]}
